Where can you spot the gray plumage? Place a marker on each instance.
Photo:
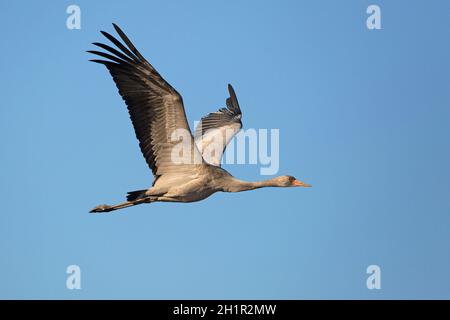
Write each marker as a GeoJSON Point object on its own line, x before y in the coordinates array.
{"type": "Point", "coordinates": [156, 111]}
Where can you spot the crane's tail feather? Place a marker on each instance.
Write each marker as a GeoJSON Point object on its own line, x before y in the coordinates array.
{"type": "Point", "coordinates": [135, 195]}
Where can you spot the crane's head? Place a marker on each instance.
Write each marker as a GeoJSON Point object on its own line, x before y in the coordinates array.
{"type": "Point", "coordinates": [290, 181]}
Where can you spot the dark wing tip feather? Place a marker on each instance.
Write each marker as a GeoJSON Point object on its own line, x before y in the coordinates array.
{"type": "Point", "coordinates": [232, 102]}
{"type": "Point", "coordinates": [98, 61]}
{"type": "Point", "coordinates": [104, 62]}
{"type": "Point", "coordinates": [113, 51]}
{"type": "Point", "coordinates": [107, 56]}
{"type": "Point", "coordinates": [128, 42]}
{"type": "Point", "coordinates": [119, 45]}
{"type": "Point", "coordinates": [116, 27]}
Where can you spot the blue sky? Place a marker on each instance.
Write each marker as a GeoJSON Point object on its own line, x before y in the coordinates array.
{"type": "Point", "coordinates": [363, 116]}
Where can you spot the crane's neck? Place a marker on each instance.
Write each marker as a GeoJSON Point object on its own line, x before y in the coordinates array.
{"type": "Point", "coordinates": [236, 185]}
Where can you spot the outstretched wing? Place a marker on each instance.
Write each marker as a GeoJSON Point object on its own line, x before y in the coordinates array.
{"type": "Point", "coordinates": [216, 129]}
{"type": "Point", "coordinates": [156, 109]}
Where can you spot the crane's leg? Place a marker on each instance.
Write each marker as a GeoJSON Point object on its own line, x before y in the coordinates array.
{"type": "Point", "coordinates": [107, 208]}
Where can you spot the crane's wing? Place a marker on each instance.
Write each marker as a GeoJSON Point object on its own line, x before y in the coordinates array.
{"type": "Point", "coordinates": [156, 109]}
{"type": "Point", "coordinates": [216, 129]}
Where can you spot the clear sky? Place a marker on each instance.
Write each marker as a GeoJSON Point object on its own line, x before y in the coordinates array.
{"type": "Point", "coordinates": [364, 116]}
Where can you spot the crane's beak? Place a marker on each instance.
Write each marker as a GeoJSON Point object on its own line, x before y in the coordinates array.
{"type": "Point", "coordinates": [298, 183]}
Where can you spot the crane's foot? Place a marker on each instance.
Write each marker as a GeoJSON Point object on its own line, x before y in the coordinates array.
{"type": "Point", "coordinates": [101, 208]}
